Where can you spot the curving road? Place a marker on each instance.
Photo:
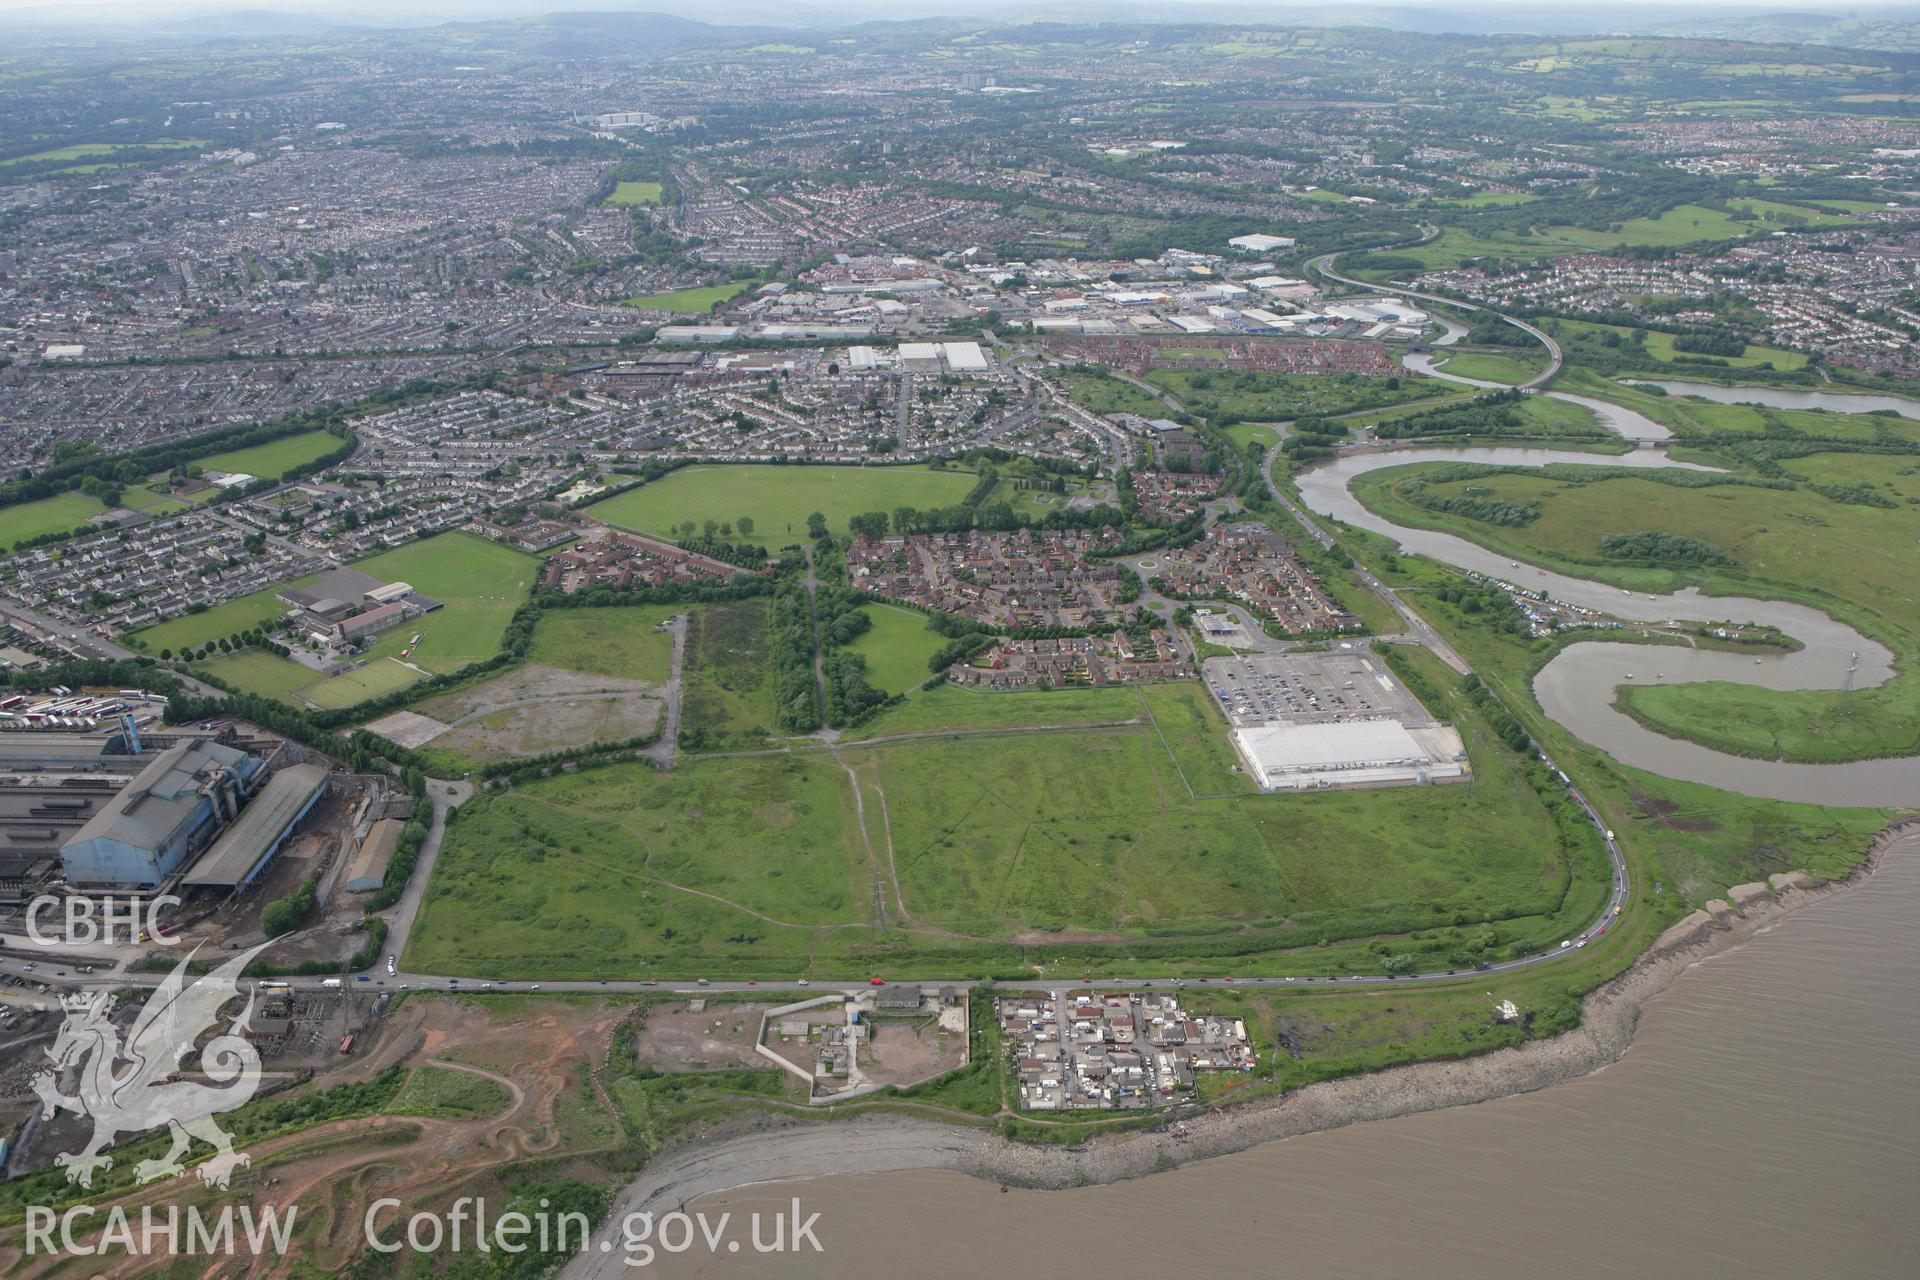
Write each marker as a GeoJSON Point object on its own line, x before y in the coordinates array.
{"type": "Point", "coordinates": [1323, 266]}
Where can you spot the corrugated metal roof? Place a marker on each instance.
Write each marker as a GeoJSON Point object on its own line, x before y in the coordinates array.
{"type": "Point", "coordinates": [370, 860]}
{"type": "Point", "coordinates": [157, 802]}
{"type": "Point", "coordinates": [258, 828]}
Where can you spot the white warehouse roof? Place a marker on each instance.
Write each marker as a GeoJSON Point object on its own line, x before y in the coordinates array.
{"type": "Point", "coordinates": [1347, 752]}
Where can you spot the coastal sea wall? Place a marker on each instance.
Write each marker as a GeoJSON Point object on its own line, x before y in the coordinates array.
{"type": "Point", "coordinates": [778, 1149]}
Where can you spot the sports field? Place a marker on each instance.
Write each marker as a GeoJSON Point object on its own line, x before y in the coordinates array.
{"type": "Point", "coordinates": [195, 629]}
{"type": "Point", "coordinates": [257, 671]}
{"type": "Point", "coordinates": [779, 499]}
{"type": "Point", "coordinates": [379, 675]}
{"type": "Point", "coordinates": [478, 582]}
{"type": "Point", "coordinates": [630, 193]}
{"type": "Point", "coordinates": [481, 583]}
{"type": "Point", "coordinates": [1246, 433]}
{"type": "Point", "coordinates": [689, 301]}
{"type": "Point", "coordinates": [102, 150]}
{"type": "Point", "coordinates": [61, 513]}
{"type": "Point", "coordinates": [155, 504]}
{"type": "Point", "coordinates": [275, 458]}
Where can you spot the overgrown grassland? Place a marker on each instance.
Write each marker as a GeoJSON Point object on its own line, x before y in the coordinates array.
{"type": "Point", "coordinates": [449, 1093]}
{"type": "Point", "coordinates": [624, 643]}
{"type": "Point", "coordinates": [1009, 849]}
{"type": "Point", "coordinates": [725, 701]}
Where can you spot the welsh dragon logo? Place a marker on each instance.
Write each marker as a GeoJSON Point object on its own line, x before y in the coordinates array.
{"type": "Point", "coordinates": [126, 1088]}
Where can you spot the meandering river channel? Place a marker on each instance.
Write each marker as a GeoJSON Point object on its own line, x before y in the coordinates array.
{"type": "Point", "coordinates": [1577, 687]}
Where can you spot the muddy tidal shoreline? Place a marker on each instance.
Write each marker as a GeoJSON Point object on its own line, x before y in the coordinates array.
{"type": "Point", "coordinates": [776, 1149]}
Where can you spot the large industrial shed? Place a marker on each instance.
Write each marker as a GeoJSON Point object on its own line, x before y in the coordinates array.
{"type": "Point", "coordinates": [165, 815]}
{"type": "Point", "coordinates": [1351, 753]}
{"type": "Point", "coordinates": [263, 826]}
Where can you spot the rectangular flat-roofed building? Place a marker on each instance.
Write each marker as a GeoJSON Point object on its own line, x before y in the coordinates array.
{"type": "Point", "coordinates": [1291, 757]}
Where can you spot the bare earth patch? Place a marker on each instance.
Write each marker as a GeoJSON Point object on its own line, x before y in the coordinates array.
{"type": "Point", "coordinates": [676, 1039]}
{"type": "Point", "coordinates": [407, 729]}
{"type": "Point", "coordinates": [524, 684]}
{"type": "Point", "coordinates": [553, 726]}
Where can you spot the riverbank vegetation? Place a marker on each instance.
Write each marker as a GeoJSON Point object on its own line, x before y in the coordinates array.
{"type": "Point", "coordinates": [1784, 536]}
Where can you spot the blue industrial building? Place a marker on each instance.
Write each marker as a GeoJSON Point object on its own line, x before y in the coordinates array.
{"type": "Point", "coordinates": [167, 815]}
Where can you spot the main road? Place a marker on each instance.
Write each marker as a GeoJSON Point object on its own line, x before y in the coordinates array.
{"type": "Point", "coordinates": [1323, 266]}
{"type": "Point", "coordinates": [386, 974]}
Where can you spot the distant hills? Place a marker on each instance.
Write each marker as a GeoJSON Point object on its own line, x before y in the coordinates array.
{"type": "Point", "coordinates": [682, 24]}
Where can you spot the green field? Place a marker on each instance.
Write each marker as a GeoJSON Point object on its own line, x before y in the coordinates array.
{"type": "Point", "coordinates": [1234, 396]}
{"type": "Point", "coordinates": [376, 678]}
{"type": "Point", "coordinates": [95, 150]}
{"type": "Point", "coordinates": [779, 498]}
{"type": "Point", "coordinates": [1140, 836]}
{"type": "Point", "coordinates": [1487, 367]}
{"type": "Point", "coordinates": [1488, 200]}
{"type": "Point", "coordinates": [631, 193]}
{"type": "Point", "coordinates": [154, 504]}
{"type": "Point", "coordinates": [621, 643]}
{"type": "Point", "coordinates": [1786, 543]}
{"type": "Point", "coordinates": [689, 301]}
{"type": "Point", "coordinates": [274, 459]}
{"type": "Point", "coordinates": [1246, 433]}
{"type": "Point", "coordinates": [195, 629]}
{"type": "Point", "coordinates": [478, 582]}
{"type": "Point", "coordinates": [257, 671]}
{"type": "Point", "coordinates": [896, 648]}
{"type": "Point", "coordinates": [62, 513]}
{"type": "Point", "coordinates": [1776, 214]}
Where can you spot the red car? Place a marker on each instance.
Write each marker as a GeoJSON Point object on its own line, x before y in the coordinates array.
{"type": "Point", "coordinates": [876, 982]}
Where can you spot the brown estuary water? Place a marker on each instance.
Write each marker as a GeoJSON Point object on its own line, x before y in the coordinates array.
{"type": "Point", "coordinates": [1765, 1123]}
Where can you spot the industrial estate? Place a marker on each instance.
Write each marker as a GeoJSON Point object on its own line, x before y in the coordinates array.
{"type": "Point", "coordinates": [673, 577]}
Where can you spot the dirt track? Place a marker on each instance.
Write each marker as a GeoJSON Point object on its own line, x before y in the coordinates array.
{"type": "Point", "coordinates": [329, 1174]}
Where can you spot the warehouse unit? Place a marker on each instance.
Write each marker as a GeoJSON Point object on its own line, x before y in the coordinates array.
{"type": "Point", "coordinates": [1302, 721]}
{"type": "Point", "coordinates": [368, 871]}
